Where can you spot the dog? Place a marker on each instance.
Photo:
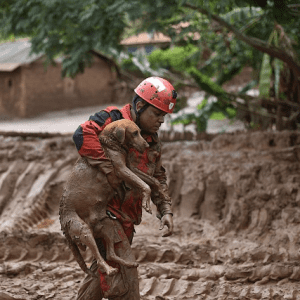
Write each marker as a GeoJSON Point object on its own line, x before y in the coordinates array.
{"type": "Point", "coordinates": [83, 214]}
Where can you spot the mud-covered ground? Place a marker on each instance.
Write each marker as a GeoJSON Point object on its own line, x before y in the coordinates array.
{"type": "Point", "coordinates": [236, 204]}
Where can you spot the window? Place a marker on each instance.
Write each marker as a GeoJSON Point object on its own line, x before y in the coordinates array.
{"type": "Point", "coordinates": [131, 49]}
{"type": "Point", "coordinates": [9, 82]}
{"type": "Point", "coordinates": [149, 48]}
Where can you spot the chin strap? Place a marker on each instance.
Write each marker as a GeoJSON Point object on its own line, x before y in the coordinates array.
{"type": "Point", "coordinates": [135, 100]}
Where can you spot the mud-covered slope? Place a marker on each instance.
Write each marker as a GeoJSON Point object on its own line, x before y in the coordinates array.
{"type": "Point", "coordinates": [236, 205]}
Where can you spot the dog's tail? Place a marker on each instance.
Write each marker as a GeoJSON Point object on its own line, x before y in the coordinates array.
{"type": "Point", "coordinates": [77, 255]}
{"type": "Point", "coordinates": [63, 218]}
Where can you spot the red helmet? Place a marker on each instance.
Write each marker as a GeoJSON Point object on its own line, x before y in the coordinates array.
{"type": "Point", "coordinates": [158, 92]}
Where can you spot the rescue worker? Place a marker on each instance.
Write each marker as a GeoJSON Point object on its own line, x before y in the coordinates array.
{"type": "Point", "coordinates": [155, 97]}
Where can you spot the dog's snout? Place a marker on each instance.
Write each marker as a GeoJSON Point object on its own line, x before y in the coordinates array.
{"type": "Point", "coordinates": [146, 145]}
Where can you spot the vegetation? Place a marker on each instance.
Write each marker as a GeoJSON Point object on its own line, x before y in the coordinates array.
{"type": "Point", "coordinates": [177, 59]}
{"type": "Point", "coordinates": [214, 39]}
{"type": "Point", "coordinates": [263, 35]}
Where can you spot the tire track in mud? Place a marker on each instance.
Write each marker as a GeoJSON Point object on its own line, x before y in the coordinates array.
{"type": "Point", "coordinates": [162, 272]}
{"type": "Point", "coordinates": [241, 243]}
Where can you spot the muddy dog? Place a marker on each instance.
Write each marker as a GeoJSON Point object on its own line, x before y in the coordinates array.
{"type": "Point", "coordinates": [86, 194]}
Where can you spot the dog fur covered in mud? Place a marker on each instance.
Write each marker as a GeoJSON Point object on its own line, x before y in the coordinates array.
{"type": "Point", "coordinates": [83, 204]}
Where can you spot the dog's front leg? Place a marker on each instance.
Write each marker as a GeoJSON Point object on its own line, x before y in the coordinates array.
{"type": "Point", "coordinates": [135, 181]}
{"type": "Point", "coordinates": [153, 183]}
{"type": "Point", "coordinates": [119, 163]}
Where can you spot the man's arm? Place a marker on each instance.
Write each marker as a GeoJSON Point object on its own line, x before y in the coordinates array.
{"type": "Point", "coordinates": [163, 203]}
{"type": "Point", "coordinates": [164, 211]}
{"type": "Point", "coordinates": [86, 139]}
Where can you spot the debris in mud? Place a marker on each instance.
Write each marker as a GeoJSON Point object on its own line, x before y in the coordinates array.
{"type": "Point", "coordinates": [45, 223]}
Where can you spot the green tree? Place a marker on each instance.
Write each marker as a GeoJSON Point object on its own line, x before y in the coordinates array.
{"type": "Point", "coordinates": [74, 28]}
{"type": "Point", "coordinates": [236, 30]}
{"type": "Point", "coordinates": [71, 28]}
{"type": "Point", "coordinates": [266, 36]}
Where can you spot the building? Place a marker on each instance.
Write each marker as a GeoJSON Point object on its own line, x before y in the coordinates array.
{"type": "Point", "coordinates": [146, 42]}
{"type": "Point", "coordinates": [27, 88]}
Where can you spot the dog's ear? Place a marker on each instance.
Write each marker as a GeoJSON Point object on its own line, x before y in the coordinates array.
{"type": "Point", "coordinates": [119, 133]}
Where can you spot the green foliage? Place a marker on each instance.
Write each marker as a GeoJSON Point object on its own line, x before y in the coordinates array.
{"type": "Point", "coordinates": [217, 116]}
{"type": "Point", "coordinates": [265, 76]}
{"type": "Point", "coordinates": [266, 71]}
{"type": "Point", "coordinates": [278, 66]}
{"type": "Point", "coordinates": [221, 116]}
{"type": "Point", "coordinates": [176, 59]}
{"type": "Point", "coordinates": [73, 28]}
{"type": "Point", "coordinates": [200, 118]}
{"type": "Point", "coordinates": [68, 27]}
{"type": "Point", "coordinates": [242, 16]}
{"type": "Point", "coordinates": [138, 63]}
{"type": "Point", "coordinates": [248, 87]}
{"type": "Point", "coordinates": [206, 84]}
{"type": "Point", "coordinates": [207, 110]}
{"type": "Point", "coordinates": [128, 65]}
{"type": "Point", "coordinates": [219, 109]}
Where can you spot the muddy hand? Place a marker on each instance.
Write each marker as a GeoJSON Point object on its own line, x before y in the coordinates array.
{"type": "Point", "coordinates": [167, 220]}
{"type": "Point", "coordinates": [146, 204]}
{"type": "Point", "coordinates": [105, 268]}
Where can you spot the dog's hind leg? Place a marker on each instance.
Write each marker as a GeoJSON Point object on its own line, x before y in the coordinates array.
{"type": "Point", "coordinates": [108, 235]}
{"type": "Point", "coordinates": [78, 256]}
{"type": "Point", "coordinates": [81, 233]}
{"type": "Point", "coordinates": [66, 218]}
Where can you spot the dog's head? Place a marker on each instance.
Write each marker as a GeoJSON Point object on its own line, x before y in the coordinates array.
{"type": "Point", "coordinates": [127, 133]}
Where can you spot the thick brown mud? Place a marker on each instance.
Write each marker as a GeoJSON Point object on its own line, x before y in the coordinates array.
{"type": "Point", "coordinates": [236, 211]}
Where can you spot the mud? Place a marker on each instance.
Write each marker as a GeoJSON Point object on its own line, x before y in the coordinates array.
{"type": "Point", "coordinates": [236, 204]}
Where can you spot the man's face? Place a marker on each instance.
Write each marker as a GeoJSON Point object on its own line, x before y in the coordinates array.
{"type": "Point", "coordinates": [151, 119]}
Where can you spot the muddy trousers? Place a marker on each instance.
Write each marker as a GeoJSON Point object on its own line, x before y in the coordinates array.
{"type": "Point", "coordinates": [91, 289]}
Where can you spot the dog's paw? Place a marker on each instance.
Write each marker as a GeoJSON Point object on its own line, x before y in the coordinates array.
{"type": "Point", "coordinates": [105, 268]}
{"type": "Point", "coordinates": [112, 271]}
{"type": "Point", "coordinates": [135, 265]}
{"type": "Point", "coordinates": [147, 207]}
{"type": "Point", "coordinates": [131, 264]}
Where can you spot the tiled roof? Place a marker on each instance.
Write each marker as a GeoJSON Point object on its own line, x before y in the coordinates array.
{"type": "Point", "coordinates": [15, 54]}
{"type": "Point", "coordinates": [146, 38]}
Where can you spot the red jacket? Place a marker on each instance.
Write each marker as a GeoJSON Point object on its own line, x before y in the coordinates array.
{"type": "Point", "coordinates": [88, 145]}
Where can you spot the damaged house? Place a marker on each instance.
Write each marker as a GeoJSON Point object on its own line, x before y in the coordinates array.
{"type": "Point", "coordinates": [27, 88]}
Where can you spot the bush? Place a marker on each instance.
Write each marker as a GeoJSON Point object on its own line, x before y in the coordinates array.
{"type": "Point", "coordinates": [174, 59]}
{"type": "Point", "coordinates": [218, 115]}
{"type": "Point", "coordinates": [128, 65]}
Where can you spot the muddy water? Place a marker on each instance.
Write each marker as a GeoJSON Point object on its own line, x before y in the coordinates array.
{"type": "Point", "coordinates": [236, 205]}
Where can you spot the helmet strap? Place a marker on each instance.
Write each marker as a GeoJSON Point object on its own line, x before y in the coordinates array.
{"type": "Point", "coordinates": [135, 100]}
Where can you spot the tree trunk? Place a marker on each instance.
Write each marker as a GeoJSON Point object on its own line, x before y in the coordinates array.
{"type": "Point", "coordinates": [279, 122]}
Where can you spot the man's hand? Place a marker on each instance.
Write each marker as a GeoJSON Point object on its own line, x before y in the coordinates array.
{"type": "Point", "coordinates": [167, 220]}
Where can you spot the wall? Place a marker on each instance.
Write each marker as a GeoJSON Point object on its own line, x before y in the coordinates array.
{"type": "Point", "coordinates": [47, 91]}
{"type": "Point", "coordinates": [10, 93]}
{"type": "Point", "coordinates": [95, 86]}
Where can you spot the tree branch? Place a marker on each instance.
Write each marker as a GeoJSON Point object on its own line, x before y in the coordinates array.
{"type": "Point", "coordinates": [274, 102]}
{"type": "Point", "coordinates": [254, 42]}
